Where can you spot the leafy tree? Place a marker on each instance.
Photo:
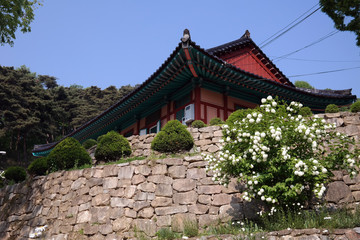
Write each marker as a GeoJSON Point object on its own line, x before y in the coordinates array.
{"type": "Point", "coordinates": [48, 81]}
{"type": "Point", "coordinates": [15, 14]}
{"type": "Point", "coordinates": [303, 84]}
{"type": "Point", "coordinates": [345, 14]}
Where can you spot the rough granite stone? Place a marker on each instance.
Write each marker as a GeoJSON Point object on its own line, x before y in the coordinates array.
{"type": "Point", "coordinates": [337, 191]}
{"type": "Point", "coordinates": [183, 185]}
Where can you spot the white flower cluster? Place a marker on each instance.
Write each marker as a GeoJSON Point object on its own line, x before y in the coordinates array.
{"type": "Point", "coordinates": [319, 190]}
{"type": "Point", "coordinates": [300, 168]}
{"type": "Point", "coordinates": [38, 231]}
{"type": "Point", "coordinates": [268, 104]}
{"type": "Point", "coordinates": [275, 133]}
{"type": "Point", "coordinates": [294, 107]}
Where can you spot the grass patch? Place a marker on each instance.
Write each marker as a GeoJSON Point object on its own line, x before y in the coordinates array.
{"type": "Point", "coordinates": [243, 228]}
{"type": "Point", "coordinates": [126, 160]}
{"type": "Point", "coordinates": [321, 218]}
{"type": "Point", "coordinates": [191, 228]}
{"type": "Point", "coordinates": [167, 233]}
{"type": "Point", "coordinates": [80, 167]}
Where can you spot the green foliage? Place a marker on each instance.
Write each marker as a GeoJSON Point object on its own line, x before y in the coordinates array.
{"type": "Point", "coordinates": [216, 121]}
{"type": "Point", "coordinates": [198, 124]}
{"type": "Point", "coordinates": [173, 137]}
{"type": "Point", "coordinates": [303, 84]}
{"type": "Point", "coordinates": [166, 234]}
{"type": "Point", "coordinates": [331, 108]}
{"type": "Point", "coordinates": [16, 174]}
{"type": "Point", "coordinates": [191, 228]}
{"type": "Point", "coordinates": [112, 146]}
{"type": "Point", "coordinates": [345, 14]}
{"type": "Point", "coordinates": [279, 155]}
{"type": "Point", "coordinates": [38, 167]}
{"type": "Point", "coordinates": [355, 107]}
{"type": "Point", "coordinates": [67, 154]}
{"type": "Point", "coordinates": [89, 143]}
{"type": "Point", "coordinates": [305, 112]}
{"type": "Point", "coordinates": [344, 109]}
{"type": "Point", "coordinates": [14, 15]}
{"type": "Point", "coordinates": [237, 116]}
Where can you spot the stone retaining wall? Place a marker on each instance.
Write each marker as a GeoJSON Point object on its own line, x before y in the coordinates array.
{"type": "Point", "coordinates": [106, 200]}
{"type": "Point", "coordinates": [113, 201]}
{"type": "Point", "coordinates": [109, 202]}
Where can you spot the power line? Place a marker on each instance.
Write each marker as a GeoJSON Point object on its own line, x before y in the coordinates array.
{"type": "Point", "coordinates": [268, 41]}
{"type": "Point", "coordinates": [309, 45]}
{"type": "Point", "coordinates": [316, 60]}
{"type": "Point", "coordinates": [309, 74]}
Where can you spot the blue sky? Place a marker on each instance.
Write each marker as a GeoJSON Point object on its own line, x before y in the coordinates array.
{"type": "Point", "coordinates": [111, 42]}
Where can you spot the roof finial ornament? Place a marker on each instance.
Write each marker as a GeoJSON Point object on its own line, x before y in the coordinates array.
{"type": "Point", "coordinates": [186, 38]}
{"type": "Point", "coordinates": [247, 34]}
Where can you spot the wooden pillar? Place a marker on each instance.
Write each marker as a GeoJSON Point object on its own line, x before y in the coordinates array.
{"type": "Point", "coordinates": [168, 110]}
{"type": "Point", "coordinates": [225, 96]}
{"type": "Point", "coordinates": [197, 103]}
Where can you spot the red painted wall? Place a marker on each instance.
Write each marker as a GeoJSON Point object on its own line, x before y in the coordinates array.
{"type": "Point", "coordinates": [244, 59]}
{"type": "Point", "coordinates": [211, 104]}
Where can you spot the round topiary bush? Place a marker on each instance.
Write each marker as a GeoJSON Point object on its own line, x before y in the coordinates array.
{"type": "Point", "coordinates": [38, 167]}
{"type": "Point", "coordinates": [331, 108]}
{"type": "Point", "coordinates": [198, 124]}
{"type": "Point", "coordinates": [112, 146]}
{"type": "Point", "coordinates": [89, 143]}
{"type": "Point", "coordinates": [305, 112]}
{"type": "Point", "coordinates": [67, 154]}
{"type": "Point", "coordinates": [216, 121]}
{"type": "Point", "coordinates": [16, 174]}
{"type": "Point", "coordinates": [173, 137]}
{"type": "Point", "coordinates": [355, 107]}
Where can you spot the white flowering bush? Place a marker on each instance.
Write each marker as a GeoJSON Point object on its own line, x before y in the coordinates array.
{"type": "Point", "coordinates": [280, 155]}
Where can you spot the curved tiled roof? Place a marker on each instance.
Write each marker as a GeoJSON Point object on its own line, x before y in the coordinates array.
{"type": "Point", "coordinates": [174, 74]}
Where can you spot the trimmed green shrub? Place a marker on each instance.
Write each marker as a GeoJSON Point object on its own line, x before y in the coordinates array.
{"type": "Point", "coordinates": [331, 108]}
{"type": "Point", "coordinates": [355, 107]}
{"type": "Point", "coordinates": [89, 143]}
{"type": "Point", "coordinates": [216, 121]}
{"type": "Point", "coordinates": [173, 137]}
{"type": "Point", "coordinates": [112, 146]}
{"type": "Point", "coordinates": [38, 167]}
{"type": "Point", "coordinates": [68, 154]}
{"type": "Point", "coordinates": [305, 112]}
{"type": "Point", "coordinates": [16, 174]}
{"type": "Point", "coordinates": [198, 124]}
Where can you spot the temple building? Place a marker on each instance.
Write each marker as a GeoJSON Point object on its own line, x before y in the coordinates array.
{"type": "Point", "coordinates": [198, 84]}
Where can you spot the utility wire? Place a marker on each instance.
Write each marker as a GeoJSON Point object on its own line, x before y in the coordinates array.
{"type": "Point", "coordinates": [280, 33]}
{"type": "Point", "coordinates": [309, 74]}
{"type": "Point", "coordinates": [309, 45]}
{"type": "Point", "coordinates": [316, 60]}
